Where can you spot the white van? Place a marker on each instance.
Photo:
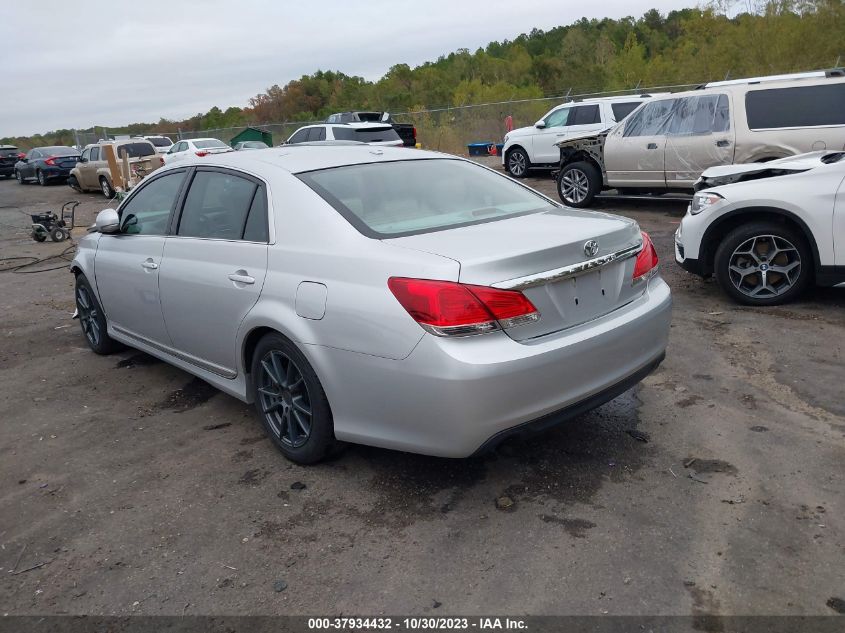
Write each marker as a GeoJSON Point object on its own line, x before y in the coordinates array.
{"type": "Point", "coordinates": [536, 146]}
{"type": "Point", "coordinates": [668, 142]}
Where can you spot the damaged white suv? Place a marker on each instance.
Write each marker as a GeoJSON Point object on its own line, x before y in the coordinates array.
{"type": "Point", "coordinates": [768, 230]}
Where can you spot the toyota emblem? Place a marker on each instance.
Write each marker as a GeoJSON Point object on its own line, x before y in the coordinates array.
{"type": "Point", "coordinates": [591, 247]}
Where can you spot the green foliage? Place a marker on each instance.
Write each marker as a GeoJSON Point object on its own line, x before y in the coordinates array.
{"type": "Point", "coordinates": [685, 46]}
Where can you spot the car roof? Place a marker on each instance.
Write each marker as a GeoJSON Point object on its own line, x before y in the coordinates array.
{"type": "Point", "coordinates": [303, 157]}
{"type": "Point", "coordinates": [754, 84]}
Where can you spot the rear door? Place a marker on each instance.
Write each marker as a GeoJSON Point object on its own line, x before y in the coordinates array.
{"type": "Point", "coordinates": [214, 266]}
{"type": "Point", "coordinates": [28, 168]}
{"type": "Point", "coordinates": [699, 136]}
{"type": "Point", "coordinates": [634, 151]}
{"type": "Point", "coordinates": [128, 263]}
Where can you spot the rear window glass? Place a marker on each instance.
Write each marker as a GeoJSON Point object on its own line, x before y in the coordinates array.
{"type": "Point", "coordinates": [160, 141]}
{"type": "Point", "coordinates": [585, 115]}
{"type": "Point", "coordinates": [621, 110]}
{"type": "Point", "coordinates": [802, 106]}
{"type": "Point", "coordinates": [366, 135]}
{"type": "Point", "coordinates": [135, 150]}
{"type": "Point", "coordinates": [391, 199]}
{"type": "Point", "coordinates": [210, 143]}
{"type": "Point", "coordinates": [59, 151]}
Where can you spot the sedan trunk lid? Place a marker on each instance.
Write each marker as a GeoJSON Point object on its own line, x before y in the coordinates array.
{"type": "Point", "coordinates": [574, 266]}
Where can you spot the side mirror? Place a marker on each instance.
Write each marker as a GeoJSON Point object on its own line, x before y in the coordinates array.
{"type": "Point", "coordinates": [540, 124]}
{"type": "Point", "coordinates": [107, 221]}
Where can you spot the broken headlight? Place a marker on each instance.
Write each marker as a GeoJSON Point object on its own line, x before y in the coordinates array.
{"type": "Point", "coordinates": [704, 200]}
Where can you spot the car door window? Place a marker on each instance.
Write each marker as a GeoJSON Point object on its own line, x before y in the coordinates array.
{"type": "Point", "coordinates": [652, 120]}
{"type": "Point", "coordinates": [585, 115]}
{"type": "Point", "coordinates": [699, 115]}
{"type": "Point", "coordinates": [147, 212]}
{"type": "Point", "coordinates": [216, 206]}
{"type": "Point", "coordinates": [95, 153]}
{"type": "Point", "coordinates": [558, 118]}
{"type": "Point", "coordinates": [86, 155]}
{"type": "Point", "coordinates": [317, 134]}
{"type": "Point", "coordinates": [34, 155]}
{"type": "Point", "coordinates": [300, 137]}
{"type": "Point", "coordinates": [256, 222]}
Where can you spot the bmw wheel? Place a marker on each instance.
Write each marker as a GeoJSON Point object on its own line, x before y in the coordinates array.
{"type": "Point", "coordinates": [763, 264]}
{"type": "Point", "coordinates": [517, 163]}
{"type": "Point", "coordinates": [290, 401]}
{"type": "Point", "coordinates": [578, 183]}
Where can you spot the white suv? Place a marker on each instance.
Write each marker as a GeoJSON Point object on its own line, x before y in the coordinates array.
{"type": "Point", "coordinates": [768, 230]}
{"type": "Point", "coordinates": [370, 133]}
{"type": "Point", "coordinates": [535, 146]}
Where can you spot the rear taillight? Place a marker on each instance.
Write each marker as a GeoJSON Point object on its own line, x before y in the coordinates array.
{"type": "Point", "coordinates": [415, 132]}
{"type": "Point", "coordinates": [201, 153]}
{"type": "Point", "coordinates": [447, 308]}
{"type": "Point", "coordinates": [50, 161]}
{"type": "Point", "coordinates": [646, 259]}
{"type": "Point", "coordinates": [21, 156]}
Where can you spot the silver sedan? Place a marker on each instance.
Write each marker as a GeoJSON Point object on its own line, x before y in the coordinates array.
{"type": "Point", "coordinates": [403, 299]}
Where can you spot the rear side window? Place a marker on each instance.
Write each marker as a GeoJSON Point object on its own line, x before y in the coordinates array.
{"type": "Point", "coordinates": [317, 134]}
{"type": "Point", "coordinates": [621, 110]}
{"type": "Point", "coordinates": [652, 120]}
{"type": "Point", "coordinates": [700, 115]}
{"type": "Point", "coordinates": [160, 141]}
{"type": "Point", "coordinates": [585, 115]}
{"type": "Point", "coordinates": [256, 222]}
{"type": "Point", "coordinates": [147, 212]}
{"type": "Point", "coordinates": [803, 106]}
{"type": "Point", "coordinates": [366, 135]}
{"type": "Point", "coordinates": [216, 206]}
{"type": "Point", "coordinates": [301, 136]}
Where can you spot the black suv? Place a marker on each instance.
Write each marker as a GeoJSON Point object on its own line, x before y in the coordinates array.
{"type": "Point", "coordinates": [9, 155]}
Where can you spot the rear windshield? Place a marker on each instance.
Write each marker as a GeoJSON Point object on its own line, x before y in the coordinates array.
{"type": "Point", "coordinates": [135, 150]}
{"type": "Point", "coordinates": [160, 141]}
{"type": "Point", "coordinates": [59, 151]}
{"type": "Point", "coordinates": [366, 135]}
{"type": "Point", "coordinates": [803, 106]}
{"type": "Point", "coordinates": [210, 143]}
{"type": "Point", "coordinates": [392, 199]}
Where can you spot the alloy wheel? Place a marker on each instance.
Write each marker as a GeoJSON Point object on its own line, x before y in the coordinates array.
{"type": "Point", "coordinates": [104, 184]}
{"type": "Point", "coordinates": [41, 179]}
{"type": "Point", "coordinates": [764, 266]}
{"type": "Point", "coordinates": [517, 163]}
{"type": "Point", "coordinates": [284, 397]}
{"type": "Point", "coordinates": [19, 176]}
{"type": "Point", "coordinates": [574, 186]}
{"type": "Point", "coordinates": [88, 316]}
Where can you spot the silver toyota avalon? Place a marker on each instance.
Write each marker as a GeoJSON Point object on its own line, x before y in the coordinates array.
{"type": "Point", "coordinates": [404, 299]}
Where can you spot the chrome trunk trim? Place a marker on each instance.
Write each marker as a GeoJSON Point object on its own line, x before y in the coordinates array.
{"type": "Point", "coordinates": [566, 272]}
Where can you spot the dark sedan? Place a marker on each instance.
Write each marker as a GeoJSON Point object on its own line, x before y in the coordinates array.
{"type": "Point", "coordinates": [46, 163]}
{"type": "Point", "coordinates": [9, 155]}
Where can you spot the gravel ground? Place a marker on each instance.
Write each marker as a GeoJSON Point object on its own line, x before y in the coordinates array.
{"type": "Point", "coordinates": [142, 490]}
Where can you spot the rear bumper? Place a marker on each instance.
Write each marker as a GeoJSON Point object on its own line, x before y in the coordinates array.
{"type": "Point", "coordinates": [454, 397]}
{"type": "Point", "coordinates": [56, 172]}
{"type": "Point", "coordinates": [7, 170]}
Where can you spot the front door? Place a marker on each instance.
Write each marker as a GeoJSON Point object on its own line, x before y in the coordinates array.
{"type": "Point", "coordinates": [634, 151]}
{"type": "Point", "coordinates": [699, 136]}
{"type": "Point", "coordinates": [543, 148]}
{"type": "Point", "coordinates": [128, 263]}
{"type": "Point", "coordinates": [214, 267]}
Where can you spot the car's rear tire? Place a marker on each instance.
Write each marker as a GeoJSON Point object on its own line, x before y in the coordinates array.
{"type": "Point", "coordinates": [42, 179]}
{"type": "Point", "coordinates": [106, 188]}
{"type": "Point", "coordinates": [578, 183]}
{"type": "Point", "coordinates": [290, 401]}
{"type": "Point", "coordinates": [517, 163]}
{"type": "Point", "coordinates": [763, 264]}
{"type": "Point", "coordinates": [93, 319]}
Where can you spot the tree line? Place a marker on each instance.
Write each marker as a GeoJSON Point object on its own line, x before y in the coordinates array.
{"type": "Point", "coordinates": [682, 47]}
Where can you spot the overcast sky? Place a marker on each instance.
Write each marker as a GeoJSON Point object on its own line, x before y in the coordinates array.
{"type": "Point", "coordinates": [112, 62]}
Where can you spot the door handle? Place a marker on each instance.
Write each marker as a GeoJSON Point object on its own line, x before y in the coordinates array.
{"type": "Point", "coordinates": [149, 265]}
{"type": "Point", "coordinates": [722, 143]}
{"type": "Point", "coordinates": [651, 146]}
{"type": "Point", "coordinates": [241, 277]}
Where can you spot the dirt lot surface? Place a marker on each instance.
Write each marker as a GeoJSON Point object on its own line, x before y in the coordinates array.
{"type": "Point", "coordinates": [141, 490]}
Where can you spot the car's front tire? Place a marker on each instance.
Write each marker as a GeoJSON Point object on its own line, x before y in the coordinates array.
{"type": "Point", "coordinates": [763, 264]}
{"type": "Point", "coordinates": [290, 401]}
{"type": "Point", "coordinates": [578, 183]}
{"type": "Point", "coordinates": [92, 319]}
{"type": "Point", "coordinates": [19, 177]}
{"type": "Point", "coordinates": [517, 163]}
{"type": "Point", "coordinates": [73, 183]}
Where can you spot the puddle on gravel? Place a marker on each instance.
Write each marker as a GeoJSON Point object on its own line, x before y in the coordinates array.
{"type": "Point", "coordinates": [194, 393]}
